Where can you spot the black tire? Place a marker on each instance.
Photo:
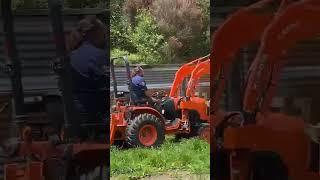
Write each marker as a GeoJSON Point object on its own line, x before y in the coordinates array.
{"type": "Point", "coordinates": [195, 125]}
{"type": "Point", "coordinates": [136, 125]}
{"type": "Point", "coordinates": [120, 144]}
{"type": "Point", "coordinates": [267, 166]}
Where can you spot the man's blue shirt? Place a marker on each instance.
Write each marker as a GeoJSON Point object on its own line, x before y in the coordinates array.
{"type": "Point", "coordinates": [139, 86]}
{"type": "Point", "coordinates": [89, 78]}
{"type": "Point", "coordinates": [90, 64]}
{"type": "Point", "coordinates": [138, 81]}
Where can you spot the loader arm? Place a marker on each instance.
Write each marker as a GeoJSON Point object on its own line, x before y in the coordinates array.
{"type": "Point", "coordinates": [182, 73]}
{"type": "Point", "coordinates": [192, 102]}
{"type": "Point", "coordinates": [296, 23]}
{"type": "Point", "coordinates": [250, 22]}
{"type": "Point", "coordinates": [202, 69]}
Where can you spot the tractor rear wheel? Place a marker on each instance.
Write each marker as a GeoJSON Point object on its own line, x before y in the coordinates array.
{"type": "Point", "coordinates": [145, 130]}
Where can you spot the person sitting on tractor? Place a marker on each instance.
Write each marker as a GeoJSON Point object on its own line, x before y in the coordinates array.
{"type": "Point", "coordinates": [139, 87]}
{"type": "Point", "coordinates": [88, 59]}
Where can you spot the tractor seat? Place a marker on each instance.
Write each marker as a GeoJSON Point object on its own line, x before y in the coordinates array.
{"type": "Point", "coordinates": [138, 101]}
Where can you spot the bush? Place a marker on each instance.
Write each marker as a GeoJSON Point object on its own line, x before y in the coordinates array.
{"type": "Point", "coordinates": [131, 8]}
{"type": "Point", "coordinates": [133, 58]}
{"type": "Point", "coordinates": [147, 39]}
{"type": "Point", "coordinates": [180, 29]}
{"type": "Point", "coordinates": [119, 27]}
{"type": "Point", "coordinates": [182, 23]}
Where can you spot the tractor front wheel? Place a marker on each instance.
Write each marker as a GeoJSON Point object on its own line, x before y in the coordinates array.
{"type": "Point", "coordinates": [145, 130]}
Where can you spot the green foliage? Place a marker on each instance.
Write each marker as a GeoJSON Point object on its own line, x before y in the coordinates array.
{"type": "Point", "coordinates": [147, 39]}
{"type": "Point", "coordinates": [133, 58]}
{"type": "Point", "coordinates": [131, 8]}
{"type": "Point", "coordinates": [192, 156]}
{"type": "Point", "coordinates": [203, 43]}
{"type": "Point", "coordinates": [161, 31]}
{"type": "Point", "coordinates": [119, 27]}
{"type": "Point", "coordinates": [205, 7]}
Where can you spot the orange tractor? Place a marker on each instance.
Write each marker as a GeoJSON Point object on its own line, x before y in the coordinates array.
{"type": "Point", "coordinates": [256, 143]}
{"type": "Point", "coordinates": [56, 157]}
{"type": "Point", "coordinates": [181, 113]}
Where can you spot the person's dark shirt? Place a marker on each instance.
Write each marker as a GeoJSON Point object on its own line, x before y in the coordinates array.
{"type": "Point", "coordinates": [89, 65]}
{"type": "Point", "coordinates": [89, 78]}
{"type": "Point", "coordinates": [139, 87]}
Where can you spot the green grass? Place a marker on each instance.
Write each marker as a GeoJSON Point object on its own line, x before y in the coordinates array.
{"type": "Point", "coordinates": [189, 155]}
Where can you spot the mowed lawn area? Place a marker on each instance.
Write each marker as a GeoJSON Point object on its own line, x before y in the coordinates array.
{"type": "Point", "coordinates": [186, 157]}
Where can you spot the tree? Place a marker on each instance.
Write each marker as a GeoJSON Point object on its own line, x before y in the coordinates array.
{"type": "Point", "coordinates": [131, 8]}
{"type": "Point", "coordinates": [119, 27]}
{"type": "Point", "coordinates": [147, 38]}
{"type": "Point", "coordinates": [181, 22]}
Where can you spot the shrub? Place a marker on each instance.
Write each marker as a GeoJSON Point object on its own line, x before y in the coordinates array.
{"type": "Point", "coordinates": [131, 8]}
{"type": "Point", "coordinates": [182, 23]}
{"type": "Point", "coordinates": [133, 58]}
{"type": "Point", "coordinates": [147, 38]}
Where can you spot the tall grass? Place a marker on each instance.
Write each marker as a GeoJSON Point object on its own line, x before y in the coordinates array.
{"type": "Point", "coordinates": [192, 156]}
